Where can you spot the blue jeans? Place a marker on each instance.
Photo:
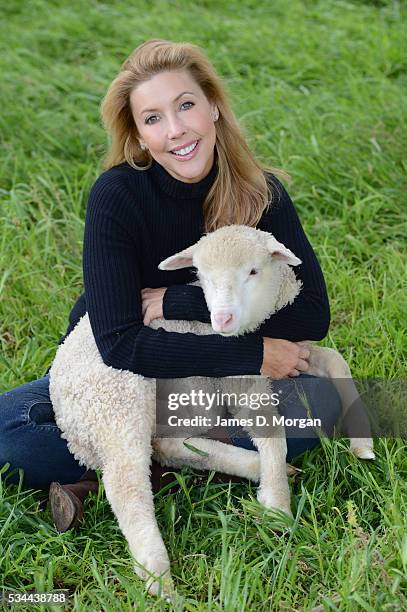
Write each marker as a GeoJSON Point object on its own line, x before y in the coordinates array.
{"type": "Point", "coordinates": [30, 438]}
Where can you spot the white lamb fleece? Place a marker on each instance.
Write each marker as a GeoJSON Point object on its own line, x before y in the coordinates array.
{"type": "Point", "coordinates": [93, 401]}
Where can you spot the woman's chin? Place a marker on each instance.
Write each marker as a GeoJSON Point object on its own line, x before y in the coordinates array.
{"type": "Point", "coordinates": [189, 171]}
{"type": "Point", "coordinates": [189, 175]}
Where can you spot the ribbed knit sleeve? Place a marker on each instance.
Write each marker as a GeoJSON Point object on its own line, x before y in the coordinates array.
{"type": "Point", "coordinates": [114, 248]}
{"type": "Point", "coordinates": [185, 302]}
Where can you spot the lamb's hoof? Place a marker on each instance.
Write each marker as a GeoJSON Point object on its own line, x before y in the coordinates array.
{"type": "Point", "coordinates": [363, 452]}
{"type": "Point", "coordinates": [162, 588]}
{"type": "Point", "coordinates": [271, 503]}
{"type": "Point", "coordinates": [362, 448]}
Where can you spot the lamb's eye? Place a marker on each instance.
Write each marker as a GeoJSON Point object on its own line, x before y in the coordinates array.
{"type": "Point", "coordinates": [253, 272]}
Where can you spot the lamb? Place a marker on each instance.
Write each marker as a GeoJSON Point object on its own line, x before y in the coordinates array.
{"type": "Point", "coordinates": [108, 415]}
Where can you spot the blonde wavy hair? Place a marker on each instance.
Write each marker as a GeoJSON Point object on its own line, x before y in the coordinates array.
{"type": "Point", "coordinates": [240, 193]}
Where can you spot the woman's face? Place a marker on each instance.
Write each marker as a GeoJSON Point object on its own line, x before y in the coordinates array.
{"type": "Point", "coordinates": [175, 122]}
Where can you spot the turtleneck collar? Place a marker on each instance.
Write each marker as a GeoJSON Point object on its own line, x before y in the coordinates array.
{"type": "Point", "coordinates": [179, 189]}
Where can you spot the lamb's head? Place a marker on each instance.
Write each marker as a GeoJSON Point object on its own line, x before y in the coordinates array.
{"type": "Point", "coordinates": [245, 275]}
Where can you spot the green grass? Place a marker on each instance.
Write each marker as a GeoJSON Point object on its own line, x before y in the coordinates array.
{"type": "Point", "coordinates": [320, 88]}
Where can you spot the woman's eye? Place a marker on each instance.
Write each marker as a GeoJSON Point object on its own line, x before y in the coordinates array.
{"type": "Point", "coordinates": [187, 105]}
{"type": "Point", "coordinates": [150, 120]}
{"type": "Point", "coordinates": [154, 118]}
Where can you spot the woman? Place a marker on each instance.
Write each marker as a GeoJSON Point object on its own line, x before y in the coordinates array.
{"type": "Point", "coordinates": [177, 166]}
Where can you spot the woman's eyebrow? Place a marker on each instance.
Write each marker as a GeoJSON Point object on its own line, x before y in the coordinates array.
{"type": "Point", "coordinates": [150, 110]}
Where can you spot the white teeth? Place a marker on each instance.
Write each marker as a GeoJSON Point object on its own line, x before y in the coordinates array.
{"type": "Point", "coordinates": [186, 150]}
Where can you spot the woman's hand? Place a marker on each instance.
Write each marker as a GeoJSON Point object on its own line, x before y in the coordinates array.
{"type": "Point", "coordinates": [282, 358]}
{"type": "Point", "coordinates": [152, 304]}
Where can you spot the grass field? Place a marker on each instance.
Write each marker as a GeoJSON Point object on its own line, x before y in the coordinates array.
{"type": "Point", "coordinates": [321, 89]}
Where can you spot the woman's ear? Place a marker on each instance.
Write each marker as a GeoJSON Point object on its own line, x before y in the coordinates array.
{"type": "Point", "coordinates": [215, 112]}
{"type": "Point", "coordinates": [142, 144]}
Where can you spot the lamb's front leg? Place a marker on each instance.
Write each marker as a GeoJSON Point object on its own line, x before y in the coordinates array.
{"type": "Point", "coordinates": [126, 478]}
{"type": "Point", "coordinates": [329, 363]}
{"type": "Point", "coordinates": [274, 491]}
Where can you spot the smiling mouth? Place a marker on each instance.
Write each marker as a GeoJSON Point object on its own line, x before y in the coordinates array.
{"type": "Point", "coordinates": [186, 150]}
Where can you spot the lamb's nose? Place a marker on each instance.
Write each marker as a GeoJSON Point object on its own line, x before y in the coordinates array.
{"type": "Point", "coordinates": [222, 320]}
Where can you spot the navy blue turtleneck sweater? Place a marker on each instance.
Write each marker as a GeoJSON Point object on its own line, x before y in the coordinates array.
{"type": "Point", "coordinates": [134, 220]}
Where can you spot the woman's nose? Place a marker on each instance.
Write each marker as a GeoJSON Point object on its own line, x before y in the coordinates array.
{"type": "Point", "coordinates": [176, 127]}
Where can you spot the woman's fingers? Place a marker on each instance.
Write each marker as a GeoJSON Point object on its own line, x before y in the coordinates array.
{"type": "Point", "coordinates": [304, 353]}
{"type": "Point", "coordinates": [302, 365]}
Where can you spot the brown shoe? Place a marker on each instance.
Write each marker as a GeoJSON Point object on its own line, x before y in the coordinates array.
{"type": "Point", "coordinates": [66, 508]}
{"type": "Point", "coordinates": [66, 501]}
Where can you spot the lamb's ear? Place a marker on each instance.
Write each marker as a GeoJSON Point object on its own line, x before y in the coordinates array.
{"type": "Point", "coordinates": [183, 259]}
{"type": "Point", "coordinates": [281, 253]}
